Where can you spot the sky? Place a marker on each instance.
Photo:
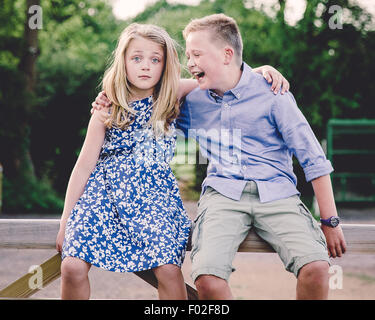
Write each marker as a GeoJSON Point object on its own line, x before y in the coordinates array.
{"type": "Point", "coordinates": [124, 9]}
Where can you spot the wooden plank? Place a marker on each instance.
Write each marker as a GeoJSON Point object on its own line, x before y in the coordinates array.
{"type": "Point", "coordinates": [28, 233]}
{"type": "Point", "coordinates": [28, 284]}
{"type": "Point", "coordinates": [41, 233]}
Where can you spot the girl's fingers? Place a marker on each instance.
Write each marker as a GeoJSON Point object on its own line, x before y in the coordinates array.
{"type": "Point", "coordinates": [278, 85]}
{"type": "Point", "coordinates": [285, 86]}
{"type": "Point", "coordinates": [267, 77]}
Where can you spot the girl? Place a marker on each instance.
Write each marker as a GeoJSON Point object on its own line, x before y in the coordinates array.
{"type": "Point", "coordinates": [123, 211]}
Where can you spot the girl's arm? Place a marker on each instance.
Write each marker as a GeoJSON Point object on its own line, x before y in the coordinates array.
{"type": "Point", "coordinates": [268, 72]}
{"type": "Point", "coordinates": [84, 166]}
{"type": "Point", "coordinates": [274, 76]}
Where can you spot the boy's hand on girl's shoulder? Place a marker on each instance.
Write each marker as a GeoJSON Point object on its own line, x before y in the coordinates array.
{"type": "Point", "coordinates": [101, 101]}
{"type": "Point", "coordinates": [335, 240]}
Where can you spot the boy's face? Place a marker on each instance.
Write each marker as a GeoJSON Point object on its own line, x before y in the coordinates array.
{"type": "Point", "coordinates": [205, 60]}
{"type": "Point", "coordinates": [144, 62]}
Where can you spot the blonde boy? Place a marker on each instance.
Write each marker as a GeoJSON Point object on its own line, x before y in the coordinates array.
{"type": "Point", "coordinates": [254, 186]}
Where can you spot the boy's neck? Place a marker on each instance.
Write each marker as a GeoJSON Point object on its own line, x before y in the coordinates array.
{"type": "Point", "coordinates": [231, 80]}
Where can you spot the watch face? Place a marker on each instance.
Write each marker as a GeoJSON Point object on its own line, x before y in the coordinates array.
{"type": "Point", "coordinates": [335, 221]}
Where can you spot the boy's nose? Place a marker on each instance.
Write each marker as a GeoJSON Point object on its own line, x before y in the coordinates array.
{"type": "Point", "coordinates": [190, 63]}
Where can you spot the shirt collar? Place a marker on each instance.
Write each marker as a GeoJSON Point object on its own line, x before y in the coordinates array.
{"type": "Point", "coordinates": [244, 80]}
{"type": "Point", "coordinates": [243, 83]}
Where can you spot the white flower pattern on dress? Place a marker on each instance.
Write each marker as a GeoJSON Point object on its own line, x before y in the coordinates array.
{"type": "Point", "coordinates": [130, 216]}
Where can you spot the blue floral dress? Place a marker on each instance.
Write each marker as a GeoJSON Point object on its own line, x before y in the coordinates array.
{"type": "Point", "coordinates": [130, 216]}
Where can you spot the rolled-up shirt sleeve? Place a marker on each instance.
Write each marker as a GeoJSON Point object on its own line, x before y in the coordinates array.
{"type": "Point", "coordinates": [299, 137]}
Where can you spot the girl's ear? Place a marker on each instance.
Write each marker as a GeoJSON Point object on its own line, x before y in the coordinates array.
{"type": "Point", "coordinates": [228, 55]}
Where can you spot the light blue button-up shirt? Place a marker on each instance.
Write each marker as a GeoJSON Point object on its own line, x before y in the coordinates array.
{"type": "Point", "coordinates": [252, 134]}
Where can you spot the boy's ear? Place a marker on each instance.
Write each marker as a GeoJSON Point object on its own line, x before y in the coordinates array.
{"type": "Point", "coordinates": [228, 55]}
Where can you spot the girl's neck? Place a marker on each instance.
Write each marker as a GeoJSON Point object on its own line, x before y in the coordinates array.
{"type": "Point", "coordinates": [140, 94]}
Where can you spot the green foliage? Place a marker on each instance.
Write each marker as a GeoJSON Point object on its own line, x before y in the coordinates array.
{"type": "Point", "coordinates": [330, 71]}
{"type": "Point", "coordinates": [30, 195]}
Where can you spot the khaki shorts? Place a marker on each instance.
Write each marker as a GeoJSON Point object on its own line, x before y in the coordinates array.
{"type": "Point", "coordinates": [223, 223]}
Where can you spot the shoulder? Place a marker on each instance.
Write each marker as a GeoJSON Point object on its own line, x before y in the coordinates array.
{"type": "Point", "coordinates": [196, 95]}
{"type": "Point", "coordinates": [285, 101]}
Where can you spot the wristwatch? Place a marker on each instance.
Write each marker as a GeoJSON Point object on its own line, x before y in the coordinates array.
{"type": "Point", "coordinates": [331, 222]}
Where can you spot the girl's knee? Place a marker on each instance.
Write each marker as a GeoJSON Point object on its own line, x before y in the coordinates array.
{"type": "Point", "coordinates": [168, 271]}
{"type": "Point", "coordinates": [74, 269]}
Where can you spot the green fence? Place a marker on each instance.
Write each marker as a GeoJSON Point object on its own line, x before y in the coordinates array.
{"type": "Point", "coordinates": [351, 149]}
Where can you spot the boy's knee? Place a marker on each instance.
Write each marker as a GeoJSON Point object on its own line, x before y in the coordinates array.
{"type": "Point", "coordinates": [315, 272]}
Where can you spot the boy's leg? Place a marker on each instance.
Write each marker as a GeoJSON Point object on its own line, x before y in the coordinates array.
{"type": "Point", "coordinates": [220, 227]}
{"type": "Point", "coordinates": [313, 281]}
{"type": "Point", "coordinates": [288, 226]}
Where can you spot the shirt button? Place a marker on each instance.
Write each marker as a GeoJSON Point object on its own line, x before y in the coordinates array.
{"type": "Point", "coordinates": [226, 105]}
{"type": "Point", "coordinates": [243, 167]}
{"type": "Point", "coordinates": [238, 95]}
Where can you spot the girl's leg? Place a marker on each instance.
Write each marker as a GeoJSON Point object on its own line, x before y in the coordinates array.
{"type": "Point", "coordinates": [74, 279]}
{"type": "Point", "coordinates": [171, 284]}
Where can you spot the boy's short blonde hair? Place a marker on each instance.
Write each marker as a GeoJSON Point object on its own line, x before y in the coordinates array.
{"type": "Point", "coordinates": [223, 27]}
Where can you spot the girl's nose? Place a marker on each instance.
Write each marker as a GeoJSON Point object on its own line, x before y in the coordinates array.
{"type": "Point", "coordinates": [145, 65]}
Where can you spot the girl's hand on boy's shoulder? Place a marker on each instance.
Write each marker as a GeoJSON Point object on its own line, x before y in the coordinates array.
{"type": "Point", "coordinates": [101, 101]}
{"type": "Point", "coordinates": [272, 75]}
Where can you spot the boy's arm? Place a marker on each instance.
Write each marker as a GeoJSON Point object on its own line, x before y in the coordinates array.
{"type": "Point", "coordinates": [324, 195]}
{"type": "Point", "coordinates": [185, 86]}
{"type": "Point", "coordinates": [301, 141]}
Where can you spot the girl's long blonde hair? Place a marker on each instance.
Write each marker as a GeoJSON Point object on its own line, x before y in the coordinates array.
{"type": "Point", "coordinates": [116, 86]}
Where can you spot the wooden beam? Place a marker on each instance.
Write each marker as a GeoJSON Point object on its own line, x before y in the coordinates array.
{"type": "Point", "coordinates": [26, 286]}
{"type": "Point", "coordinates": [41, 234]}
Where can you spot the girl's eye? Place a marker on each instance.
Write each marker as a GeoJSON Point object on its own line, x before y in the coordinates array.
{"type": "Point", "coordinates": [137, 59]}
{"type": "Point", "coordinates": [155, 60]}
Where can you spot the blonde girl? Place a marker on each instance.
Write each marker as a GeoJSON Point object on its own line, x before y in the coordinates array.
{"type": "Point", "coordinates": [123, 211]}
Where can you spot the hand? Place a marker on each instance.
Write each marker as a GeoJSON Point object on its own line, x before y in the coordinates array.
{"type": "Point", "coordinates": [60, 239]}
{"type": "Point", "coordinates": [274, 76]}
{"type": "Point", "coordinates": [335, 240]}
{"type": "Point", "coordinates": [101, 101]}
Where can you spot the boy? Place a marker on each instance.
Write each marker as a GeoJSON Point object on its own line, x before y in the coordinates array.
{"type": "Point", "coordinates": [255, 186]}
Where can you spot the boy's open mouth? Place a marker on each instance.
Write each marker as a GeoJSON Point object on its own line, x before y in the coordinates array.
{"type": "Point", "coordinates": [199, 75]}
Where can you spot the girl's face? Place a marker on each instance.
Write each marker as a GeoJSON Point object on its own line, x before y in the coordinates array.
{"type": "Point", "coordinates": [144, 62]}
